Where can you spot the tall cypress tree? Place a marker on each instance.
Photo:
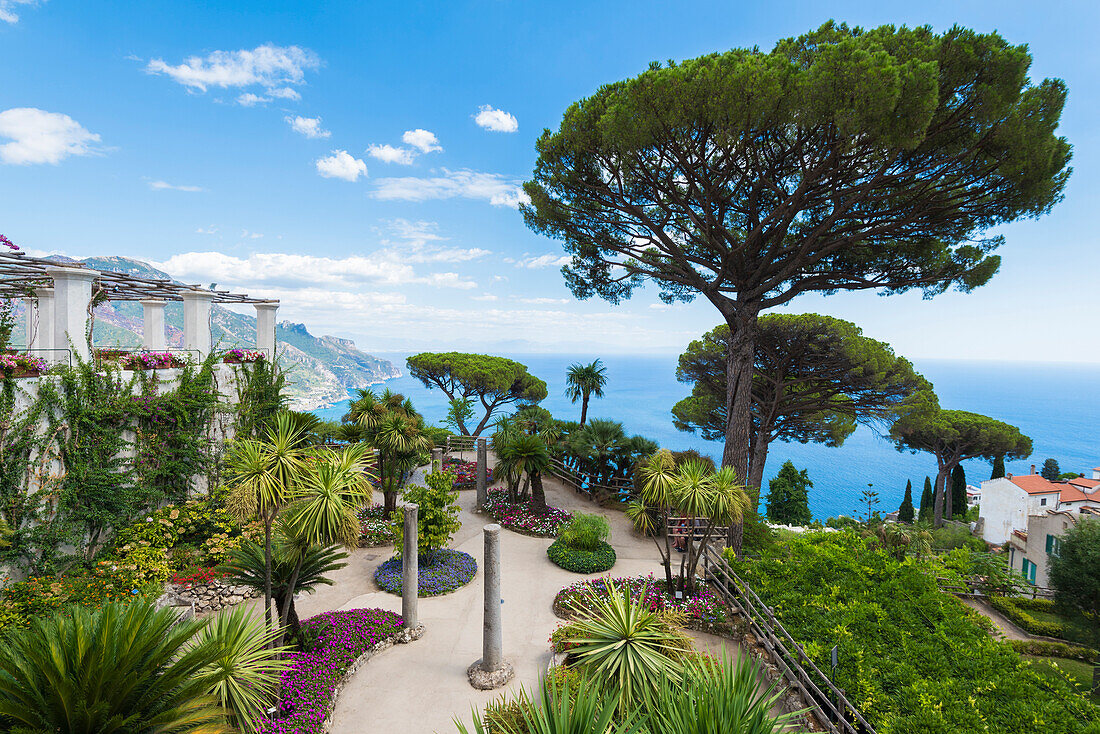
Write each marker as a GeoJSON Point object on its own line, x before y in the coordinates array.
{"type": "Point", "coordinates": [905, 512]}
{"type": "Point", "coordinates": [958, 492]}
{"type": "Point", "coordinates": [998, 468]}
{"type": "Point", "coordinates": [926, 501]}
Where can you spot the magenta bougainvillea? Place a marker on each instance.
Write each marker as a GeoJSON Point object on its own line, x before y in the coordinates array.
{"type": "Point", "coordinates": [150, 360]}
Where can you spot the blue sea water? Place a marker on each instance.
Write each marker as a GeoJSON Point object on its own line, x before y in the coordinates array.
{"type": "Point", "coordinates": [1057, 405]}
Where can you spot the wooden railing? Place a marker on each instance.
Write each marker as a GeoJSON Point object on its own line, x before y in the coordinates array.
{"type": "Point", "coordinates": [828, 703]}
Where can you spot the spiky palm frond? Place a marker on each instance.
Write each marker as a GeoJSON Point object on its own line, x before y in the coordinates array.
{"type": "Point", "coordinates": [125, 668]}
{"type": "Point", "coordinates": [244, 673]}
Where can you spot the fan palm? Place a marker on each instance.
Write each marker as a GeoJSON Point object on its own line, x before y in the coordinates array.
{"type": "Point", "coordinates": [261, 479]}
{"type": "Point", "coordinates": [245, 566]}
{"type": "Point", "coordinates": [522, 454]}
{"type": "Point", "coordinates": [244, 674]}
{"type": "Point", "coordinates": [583, 381]}
{"type": "Point", "coordinates": [399, 439]}
{"type": "Point", "coordinates": [125, 669]}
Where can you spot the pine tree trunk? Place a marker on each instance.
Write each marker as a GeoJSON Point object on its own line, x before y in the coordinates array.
{"type": "Point", "coordinates": [937, 512]}
{"type": "Point", "coordinates": [741, 319]}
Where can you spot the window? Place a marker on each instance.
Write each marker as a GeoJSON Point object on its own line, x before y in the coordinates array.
{"type": "Point", "coordinates": [1027, 570]}
{"type": "Point", "coordinates": [1054, 544]}
{"type": "Point", "coordinates": [1043, 501]}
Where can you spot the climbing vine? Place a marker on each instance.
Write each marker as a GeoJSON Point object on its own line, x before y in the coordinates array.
{"type": "Point", "coordinates": [259, 395]}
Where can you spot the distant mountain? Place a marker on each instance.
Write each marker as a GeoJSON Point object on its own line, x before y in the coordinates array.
{"type": "Point", "coordinates": [320, 370]}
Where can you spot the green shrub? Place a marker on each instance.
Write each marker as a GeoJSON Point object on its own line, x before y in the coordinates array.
{"type": "Point", "coordinates": [949, 537]}
{"type": "Point", "coordinates": [585, 532]}
{"type": "Point", "coordinates": [436, 516]}
{"type": "Point", "coordinates": [1042, 648]}
{"type": "Point", "coordinates": [1016, 612]}
{"type": "Point", "coordinates": [911, 657]}
{"type": "Point", "coordinates": [581, 561]}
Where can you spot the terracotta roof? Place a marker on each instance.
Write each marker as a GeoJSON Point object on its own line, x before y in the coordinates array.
{"type": "Point", "coordinates": [1021, 534]}
{"type": "Point", "coordinates": [1085, 483]}
{"type": "Point", "coordinates": [1035, 484]}
{"type": "Point", "coordinates": [1071, 493]}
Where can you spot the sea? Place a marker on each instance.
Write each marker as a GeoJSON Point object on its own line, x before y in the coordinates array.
{"type": "Point", "coordinates": [1057, 405]}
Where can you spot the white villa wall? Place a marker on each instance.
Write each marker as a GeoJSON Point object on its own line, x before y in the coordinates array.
{"type": "Point", "coordinates": [1004, 509]}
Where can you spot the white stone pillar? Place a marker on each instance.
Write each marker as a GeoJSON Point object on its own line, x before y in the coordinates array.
{"type": "Point", "coordinates": [196, 321]}
{"type": "Point", "coordinates": [153, 328]}
{"type": "Point", "coordinates": [30, 314]}
{"type": "Point", "coordinates": [265, 327]}
{"type": "Point", "coordinates": [43, 338]}
{"type": "Point", "coordinates": [72, 289]}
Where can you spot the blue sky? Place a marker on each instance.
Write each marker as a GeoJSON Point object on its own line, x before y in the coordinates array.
{"type": "Point", "coordinates": [360, 161]}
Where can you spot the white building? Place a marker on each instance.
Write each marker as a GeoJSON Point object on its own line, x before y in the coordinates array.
{"type": "Point", "coordinates": [1007, 502]}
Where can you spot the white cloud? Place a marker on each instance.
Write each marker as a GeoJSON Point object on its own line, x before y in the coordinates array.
{"type": "Point", "coordinates": [341, 164]}
{"type": "Point", "coordinates": [246, 235]}
{"type": "Point", "coordinates": [293, 271]}
{"type": "Point", "coordinates": [308, 126]}
{"type": "Point", "coordinates": [464, 183]}
{"type": "Point", "coordinates": [485, 297]}
{"type": "Point", "coordinates": [544, 301]}
{"type": "Point", "coordinates": [38, 136]}
{"type": "Point", "coordinates": [8, 8]}
{"type": "Point", "coordinates": [535, 262]}
{"type": "Point", "coordinates": [165, 186]}
{"type": "Point", "coordinates": [284, 93]}
{"type": "Point", "coordinates": [496, 120]}
{"type": "Point", "coordinates": [267, 66]}
{"type": "Point", "coordinates": [391, 154]}
{"type": "Point", "coordinates": [207, 230]}
{"type": "Point", "coordinates": [422, 140]}
{"type": "Point", "coordinates": [248, 99]}
{"type": "Point", "coordinates": [415, 244]}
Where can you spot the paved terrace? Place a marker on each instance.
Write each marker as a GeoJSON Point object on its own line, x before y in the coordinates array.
{"type": "Point", "coordinates": [419, 688]}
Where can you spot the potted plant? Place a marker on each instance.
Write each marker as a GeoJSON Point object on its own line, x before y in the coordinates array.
{"type": "Point", "coordinates": [243, 356]}
{"type": "Point", "coordinates": [22, 365]}
{"type": "Point", "coordinates": [150, 361]}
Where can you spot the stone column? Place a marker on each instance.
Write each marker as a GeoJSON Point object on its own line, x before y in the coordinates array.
{"type": "Point", "coordinates": [437, 459]}
{"type": "Point", "coordinates": [43, 338]}
{"type": "Point", "coordinates": [482, 473]}
{"type": "Point", "coordinates": [72, 289]}
{"type": "Point", "coordinates": [265, 327]}
{"type": "Point", "coordinates": [30, 313]}
{"type": "Point", "coordinates": [153, 328]}
{"type": "Point", "coordinates": [196, 321]}
{"type": "Point", "coordinates": [492, 670]}
{"type": "Point", "coordinates": [410, 570]}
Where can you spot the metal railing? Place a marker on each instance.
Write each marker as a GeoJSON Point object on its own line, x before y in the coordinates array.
{"type": "Point", "coordinates": [834, 712]}
{"type": "Point", "coordinates": [619, 490]}
{"type": "Point", "coordinates": [44, 352]}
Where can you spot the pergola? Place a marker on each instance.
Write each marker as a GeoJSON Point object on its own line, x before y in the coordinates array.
{"type": "Point", "coordinates": [58, 295]}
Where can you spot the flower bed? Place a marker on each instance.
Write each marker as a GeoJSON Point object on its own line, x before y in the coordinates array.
{"type": "Point", "coordinates": [192, 576]}
{"type": "Point", "coordinates": [374, 528]}
{"type": "Point", "coordinates": [465, 473]}
{"type": "Point", "coordinates": [150, 361]}
{"type": "Point", "coordinates": [309, 685]}
{"type": "Point", "coordinates": [22, 365]}
{"type": "Point", "coordinates": [441, 573]}
{"type": "Point", "coordinates": [518, 516]}
{"type": "Point", "coordinates": [704, 609]}
{"type": "Point", "coordinates": [578, 560]}
{"type": "Point", "coordinates": [243, 356]}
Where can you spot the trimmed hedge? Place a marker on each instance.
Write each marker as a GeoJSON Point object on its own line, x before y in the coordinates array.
{"type": "Point", "coordinates": [581, 561]}
{"type": "Point", "coordinates": [1042, 648]}
{"type": "Point", "coordinates": [1016, 612]}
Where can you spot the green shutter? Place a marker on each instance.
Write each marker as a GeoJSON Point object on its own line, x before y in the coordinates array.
{"type": "Point", "coordinates": [1050, 542]}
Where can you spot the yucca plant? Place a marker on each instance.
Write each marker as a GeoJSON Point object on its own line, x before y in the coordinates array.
{"type": "Point", "coordinates": [716, 696]}
{"type": "Point", "coordinates": [624, 646]}
{"type": "Point", "coordinates": [244, 674]}
{"type": "Point", "coordinates": [124, 669]}
{"type": "Point", "coordinates": [564, 711]}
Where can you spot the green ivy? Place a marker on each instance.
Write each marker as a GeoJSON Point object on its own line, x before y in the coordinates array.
{"type": "Point", "coordinates": [259, 396]}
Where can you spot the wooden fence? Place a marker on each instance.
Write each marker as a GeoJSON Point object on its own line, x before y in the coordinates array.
{"type": "Point", "coordinates": [829, 705]}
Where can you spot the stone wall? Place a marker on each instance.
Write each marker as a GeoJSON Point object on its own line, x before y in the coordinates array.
{"type": "Point", "coordinates": [214, 595]}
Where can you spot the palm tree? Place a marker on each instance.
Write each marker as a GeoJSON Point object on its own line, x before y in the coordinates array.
{"type": "Point", "coordinates": [127, 668]}
{"type": "Point", "coordinates": [245, 567]}
{"type": "Point", "coordinates": [583, 381]}
{"type": "Point", "coordinates": [329, 492]}
{"type": "Point", "coordinates": [399, 439]}
{"type": "Point", "coordinates": [658, 475]}
{"type": "Point", "coordinates": [523, 453]}
{"type": "Point", "coordinates": [261, 478]}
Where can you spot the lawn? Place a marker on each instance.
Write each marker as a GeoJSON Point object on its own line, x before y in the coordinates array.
{"type": "Point", "coordinates": [1080, 672]}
